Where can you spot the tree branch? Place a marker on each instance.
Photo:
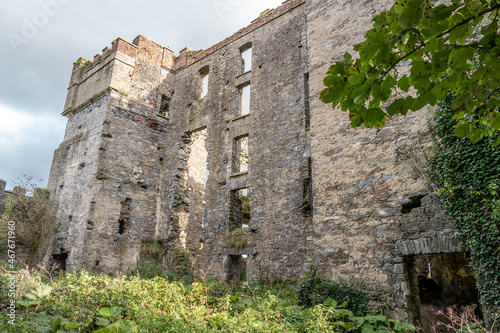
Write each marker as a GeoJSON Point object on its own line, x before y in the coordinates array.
{"type": "Point", "coordinates": [486, 11]}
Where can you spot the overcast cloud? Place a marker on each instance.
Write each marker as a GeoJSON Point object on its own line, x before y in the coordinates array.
{"type": "Point", "coordinates": [40, 40]}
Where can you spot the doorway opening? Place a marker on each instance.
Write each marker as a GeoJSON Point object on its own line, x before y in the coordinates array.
{"type": "Point", "coordinates": [437, 282]}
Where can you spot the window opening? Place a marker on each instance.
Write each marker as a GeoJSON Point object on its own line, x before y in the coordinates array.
{"type": "Point", "coordinates": [124, 221]}
{"type": "Point", "coordinates": [245, 100]}
{"type": "Point", "coordinates": [246, 57]}
{"type": "Point", "coordinates": [204, 72]}
{"type": "Point", "coordinates": [165, 105]}
{"type": "Point", "coordinates": [240, 210]}
{"type": "Point", "coordinates": [240, 155]}
{"type": "Point", "coordinates": [197, 178]}
{"type": "Point", "coordinates": [307, 121]}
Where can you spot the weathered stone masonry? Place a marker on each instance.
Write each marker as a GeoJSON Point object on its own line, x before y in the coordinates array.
{"type": "Point", "coordinates": [147, 157]}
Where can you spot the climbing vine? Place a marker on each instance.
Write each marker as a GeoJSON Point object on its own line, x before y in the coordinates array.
{"type": "Point", "coordinates": [469, 177]}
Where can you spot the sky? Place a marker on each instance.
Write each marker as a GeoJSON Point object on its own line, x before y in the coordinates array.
{"type": "Point", "coordinates": [40, 40]}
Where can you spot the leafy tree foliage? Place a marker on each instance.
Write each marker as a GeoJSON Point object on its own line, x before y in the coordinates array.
{"type": "Point", "coordinates": [447, 47]}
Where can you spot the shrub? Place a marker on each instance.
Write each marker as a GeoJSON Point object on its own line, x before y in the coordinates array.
{"type": "Point", "coordinates": [316, 290]}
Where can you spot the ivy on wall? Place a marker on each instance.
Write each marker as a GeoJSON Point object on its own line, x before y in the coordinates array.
{"type": "Point", "coordinates": [469, 177]}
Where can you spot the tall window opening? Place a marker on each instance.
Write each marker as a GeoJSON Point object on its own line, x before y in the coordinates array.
{"type": "Point", "coordinates": [245, 99]}
{"type": "Point", "coordinates": [240, 155]}
{"type": "Point", "coordinates": [197, 178]}
{"type": "Point", "coordinates": [307, 107]}
{"type": "Point", "coordinates": [204, 72]}
{"type": "Point", "coordinates": [165, 105]}
{"type": "Point", "coordinates": [246, 57]}
{"type": "Point", "coordinates": [124, 221]}
{"type": "Point", "coordinates": [240, 210]}
{"type": "Point", "coordinates": [307, 203]}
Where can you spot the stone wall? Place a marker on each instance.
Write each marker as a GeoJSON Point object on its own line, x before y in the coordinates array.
{"type": "Point", "coordinates": [148, 157]}
{"type": "Point", "coordinates": [363, 187]}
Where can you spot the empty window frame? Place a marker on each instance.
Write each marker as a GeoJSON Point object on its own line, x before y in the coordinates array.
{"type": "Point", "coordinates": [246, 57]}
{"type": "Point", "coordinates": [240, 155]}
{"type": "Point", "coordinates": [244, 91]}
{"type": "Point", "coordinates": [240, 210]}
{"type": "Point", "coordinates": [124, 220]}
{"type": "Point", "coordinates": [204, 73]}
{"type": "Point", "coordinates": [165, 105]}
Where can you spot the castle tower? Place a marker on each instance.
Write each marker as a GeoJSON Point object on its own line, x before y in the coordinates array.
{"type": "Point", "coordinates": [105, 175]}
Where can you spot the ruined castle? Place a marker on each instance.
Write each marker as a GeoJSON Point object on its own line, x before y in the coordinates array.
{"type": "Point", "coordinates": [186, 149]}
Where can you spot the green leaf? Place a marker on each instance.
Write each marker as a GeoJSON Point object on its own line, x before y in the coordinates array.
{"type": "Point", "coordinates": [404, 83]}
{"type": "Point", "coordinates": [102, 321]}
{"type": "Point", "coordinates": [330, 302]}
{"type": "Point", "coordinates": [367, 328]}
{"type": "Point", "coordinates": [110, 312]}
{"type": "Point", "coordinates": [103, 330]}
{"type": "Point", "coordinates": [459, 57]}
{"type": "Point", "coordinates": [399, 106]}
{"type": "Point", "coordinates": [27, 304]}
{"type": "Point", "coordinates": [356, 78]}
{"type": "Point", "coordinates": [70, 324]}
{"type": "Point", "coordinates": [462, 130]}
{"type": "Point", "coordinates": [495, 123]}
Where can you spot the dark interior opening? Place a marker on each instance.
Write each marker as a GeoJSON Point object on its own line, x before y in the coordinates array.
{"type": "Point", "coordinates": [307, 202]}
{"type": "Point", "coordinates": [437, 282]}
{"type": "Point", "coordinates": [236, 268]}
{"type": "Point", "coordinates": [240, 210]}
{"type": "Point", "coordinates": [307, 107]}
{"type": "Point", "coordinates": [121, 227]}
{"type": "Point", "coordinates": [124, 220]}
{"type": "Point", "coordinates": [165, 105]}
{"type": "Point", "coordinates": [60, 259]}
{"type": "Point", "coordinates": [414, 202]}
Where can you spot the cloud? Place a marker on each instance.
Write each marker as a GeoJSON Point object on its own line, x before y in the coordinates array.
{"type": "Point", "coordinates": [27, 143]}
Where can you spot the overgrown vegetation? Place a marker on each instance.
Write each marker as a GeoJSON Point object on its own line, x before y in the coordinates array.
{"type": "Point", "coordinates": [34, 215]}
{"type": "Point", "coordinates": [237, 238]}
{"type": "Point", "coordinates": [316, 290]}
{"type": "Point", "coordinates": [83, 302]}
{"type": "Point", "coordinates": [469, 177]}
{"type": "Point", "coordinates": [178, 262]}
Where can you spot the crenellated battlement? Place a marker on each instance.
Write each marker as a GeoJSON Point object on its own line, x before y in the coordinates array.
{"type": "Point", "coordinates": [112, 69]}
